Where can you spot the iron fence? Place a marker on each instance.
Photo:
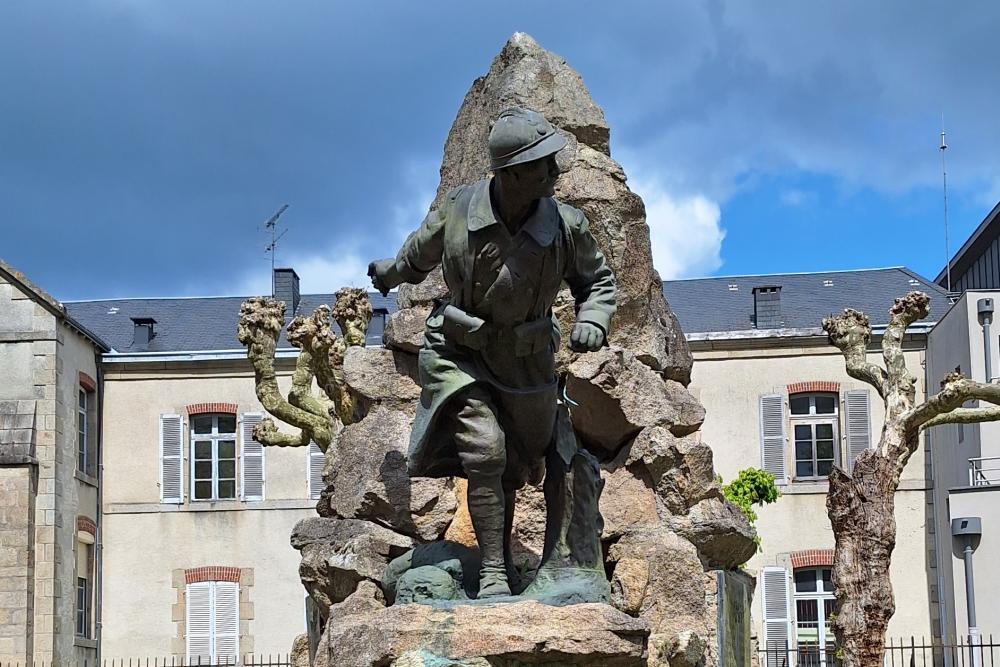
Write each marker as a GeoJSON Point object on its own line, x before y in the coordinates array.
{"type": "Point", "coordinates": [961, 652]}
{"type": "Point", "coordinates": [255, 660]}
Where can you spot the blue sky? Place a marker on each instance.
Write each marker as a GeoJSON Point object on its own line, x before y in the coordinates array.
{"type": "Point", "coordinates": [143, 144]}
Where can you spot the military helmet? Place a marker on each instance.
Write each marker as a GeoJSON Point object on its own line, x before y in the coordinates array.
{"type": "Point", "coordinates": [522, 135]}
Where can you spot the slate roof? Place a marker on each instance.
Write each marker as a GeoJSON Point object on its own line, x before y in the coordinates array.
{"type": "Point", "coordinates": [185, 324]}
{"type": "Point", "coordinates": [702, 305]}
{"type": "Point", "coordinates": [711, 305]}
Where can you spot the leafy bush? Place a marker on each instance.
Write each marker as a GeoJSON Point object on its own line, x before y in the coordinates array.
{"type": "Point", "coordinates": [752, 486]}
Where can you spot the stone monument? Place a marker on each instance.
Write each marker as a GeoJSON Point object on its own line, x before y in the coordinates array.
{"type": "Point", "coordinates": [614, 557]}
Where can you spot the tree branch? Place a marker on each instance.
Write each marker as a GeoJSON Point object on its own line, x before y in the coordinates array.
{"type": "Point", "coordinates": [851, 332]}
{"type": "Point", "coordinates": [904, 312]}
{"type": "Point", "coordinates": [945, 406]}
{"type": "Point", "coordinates": [261, 320]}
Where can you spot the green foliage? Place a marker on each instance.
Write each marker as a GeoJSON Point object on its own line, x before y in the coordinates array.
{"type": "Point", "coordinates": [752, 486]}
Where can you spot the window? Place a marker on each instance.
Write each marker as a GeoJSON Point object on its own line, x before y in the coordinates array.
{"type": "Point", "coordinates": [212, 622]}
{"type": "Point", "coordinates": [814, 604]}
{"type": "Point", "coordinates": [315, 460]}
{"type": "Point", "coordinates": [814, 422]}
{"type": "Point", "coordinates": [213, 457]}
{"type": "Point", "coordinates": [86, 441]}
{"type": "Point", "coordinates": [376, 328]}
{"type": "Point", "coordinates": [84, 585]}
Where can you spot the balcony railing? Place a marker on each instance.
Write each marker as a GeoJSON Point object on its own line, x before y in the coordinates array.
{"type": "Point", "coordinates": [984, 471]}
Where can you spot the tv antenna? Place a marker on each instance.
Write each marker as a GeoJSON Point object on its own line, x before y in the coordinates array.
{"type": "Point", "coordinates": [272, 247]}
{"type": "Point", "coordinates": [944, 180]}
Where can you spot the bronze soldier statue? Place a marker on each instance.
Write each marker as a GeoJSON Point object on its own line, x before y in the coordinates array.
{"type": "Point", "coordinates": [487, 370]}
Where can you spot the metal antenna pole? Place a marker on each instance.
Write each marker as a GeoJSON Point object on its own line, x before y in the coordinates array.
{"type": "Point", "coordinates": [275, 237]}
{"type": "Point", "coordinates": [944, 178]}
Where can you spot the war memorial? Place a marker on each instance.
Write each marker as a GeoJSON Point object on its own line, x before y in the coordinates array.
{"type": "Point", "coordinates": [517, 477]}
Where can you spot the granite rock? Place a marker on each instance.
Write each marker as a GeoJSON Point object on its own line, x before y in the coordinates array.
{"type": "Point", "coordinates": [665, 575]}
{"type": "Point", "coordinates": [338, 554]}
{"type": "Point", "coordinates": [720, 531]}
{"type": "Point", "coordinates": [381, 376]}
{"type": "Point", "coordinates": [366, 478]}
{"type": "Point", "coordinates": [680, 469]}
{"type": "Point", "coordinates": [618, 396]}
{"type": "Point", "coordinates": [405, 329]}
{"type": "Point", "coordinates": [362, 633]}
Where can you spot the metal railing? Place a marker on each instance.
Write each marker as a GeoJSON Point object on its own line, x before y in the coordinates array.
{"type": "Point", "coordinates": [983, 652]}
{"type": "Point", "coordinates": [984, 471]}
{"type": "Point", "coordinates": [249, 660]}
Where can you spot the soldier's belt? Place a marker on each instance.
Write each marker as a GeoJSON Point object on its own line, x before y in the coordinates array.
{"type": "Point", "coordinates": [476, 333]}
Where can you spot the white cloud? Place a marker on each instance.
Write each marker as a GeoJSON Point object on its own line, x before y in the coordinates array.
{"type": "Point", "coordinates": [684, 230]}
{"type": "Point", "coordinates": [319, 273]}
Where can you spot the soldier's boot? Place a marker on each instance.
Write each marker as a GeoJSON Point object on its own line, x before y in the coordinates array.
{"type": "Point", "coordinates": [486, 508]}
{"type": "Point", "coordinates": [513, 576]}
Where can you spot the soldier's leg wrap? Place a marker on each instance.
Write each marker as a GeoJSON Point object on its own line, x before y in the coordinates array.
{"type": "Point", "coordinates": [479, 441]}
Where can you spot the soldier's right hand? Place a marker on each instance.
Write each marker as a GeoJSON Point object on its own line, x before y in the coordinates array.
{"type": "Point", "coordinates": [378, 271]}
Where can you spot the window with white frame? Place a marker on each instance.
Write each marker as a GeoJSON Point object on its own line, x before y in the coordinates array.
{"type": "Point", "coordinates": [213, 457]}
{"type": "Point", "coordinates": [212, 620]}
{"type": "Point", "coordinates": [815, 427]}
{"type": "Point", "coordinates": [814, 605]}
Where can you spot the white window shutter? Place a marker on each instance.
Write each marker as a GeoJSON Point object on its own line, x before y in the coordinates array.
{"type": "Point", "coordinates": [314, 470]}
{"type": "Point", "coordinates": [171, 459]}
{"type": "Point", "coordinates": [227, 622]}
{"type": "Point", "coordinates": [858, 424]}
{"type": "Point", "coordinates": [775, 599]}
{"type": "Point", "coordinates": [772, 436]}
{"type": "Point", "coordinates": [198, 635]}
{"type": "Point", "coordinates": [252, 459]}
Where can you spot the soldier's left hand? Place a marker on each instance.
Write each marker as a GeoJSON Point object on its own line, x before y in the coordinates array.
{"type": "Point", "coordinates": [586, 337]}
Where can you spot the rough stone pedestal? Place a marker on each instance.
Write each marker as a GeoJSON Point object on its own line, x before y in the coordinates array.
{"type": "Point", "coordinates": [364, 633]}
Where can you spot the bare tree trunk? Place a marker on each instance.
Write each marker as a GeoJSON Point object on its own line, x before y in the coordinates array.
{"type": "Point", "coordinates": [860, 508]}
{"type": "Point", "coordinates": [860, 504]}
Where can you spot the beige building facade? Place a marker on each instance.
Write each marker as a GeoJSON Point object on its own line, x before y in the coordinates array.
{"type": "Point", "coordinates": [207, 523]}
{"type": "Point", "coordinates": [777, 397]}
{"type": "Point", "coordinates": [49, 478]}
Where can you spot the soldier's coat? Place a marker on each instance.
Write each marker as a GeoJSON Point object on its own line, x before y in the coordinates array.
{"type": "Point", "coordinates": [507, 281]}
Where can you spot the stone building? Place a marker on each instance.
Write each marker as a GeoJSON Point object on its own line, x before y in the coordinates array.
{"type": "Point", "coordinates": [216, 576]}
{"type": "Point", "coordinates": [966, 458]}
{"type": "Point", "coordinates": [213, 573]}
{"type": "Point", "coordinates": [50, 459]}
{"type": "Point", "coordinates": [777, 396]}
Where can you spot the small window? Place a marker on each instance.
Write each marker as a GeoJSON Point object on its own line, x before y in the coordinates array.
{"type": "Point", "coordinates": [84, 587]}
{"type": "Point", "coordinates": [813, 404]}
{"type": "Point", "coordinates": [86, 427]}
{"type": "Point", "coordinates": [213, 457]}
{"type": "Point", "coordinates": [376, 328]}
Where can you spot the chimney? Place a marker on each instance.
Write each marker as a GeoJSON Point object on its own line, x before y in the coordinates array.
{"type": "Point", "coordinates": [767, 307]}
{"type": "Point", "coordinates": [142, 333]}
{"type": "Point", "coordinates": [286, 288]}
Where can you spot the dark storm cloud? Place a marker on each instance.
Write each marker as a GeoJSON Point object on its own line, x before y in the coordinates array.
{"type": "Point", "coordinates": [143, 143]}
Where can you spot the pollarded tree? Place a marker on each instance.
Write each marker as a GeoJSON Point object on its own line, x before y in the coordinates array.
{"type": "Point", "coordinates": [860, 504]}
{"type": "Point", "coordinates": [318, 416]}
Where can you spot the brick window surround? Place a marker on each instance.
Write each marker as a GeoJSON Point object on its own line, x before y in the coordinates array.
{"type": "Point", "coordinates": [215, 408]}
{"type": "Point", "coordinates": [178, 611]}
{"type": "Point", "coordinates": [812, 558]}
{"type": "Point", "coordinates": [87, 382]}
{"type": "Point", "coordinates": [85, 524]}
{"type": "Point", "coordinates": [814, 386]}
{"type": "Point", "coordinates": [212, 573]}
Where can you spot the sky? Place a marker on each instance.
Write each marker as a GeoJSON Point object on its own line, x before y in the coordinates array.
{"type": "Point", "coordinates": [144, 144]}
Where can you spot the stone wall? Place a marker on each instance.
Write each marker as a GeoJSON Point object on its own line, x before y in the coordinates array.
{"type": "Point", "coordinates": [17, 495]}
